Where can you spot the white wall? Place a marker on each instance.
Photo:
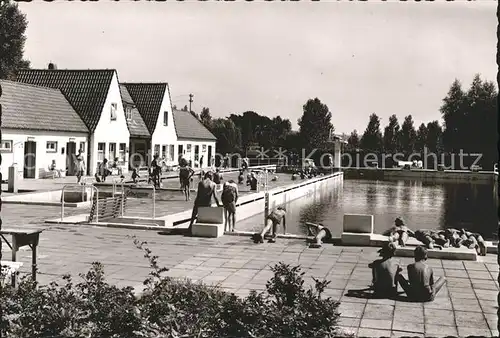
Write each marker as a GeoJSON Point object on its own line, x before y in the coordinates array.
{"type": "Point", "coordinates": [108, 131]}
{"type": "Point", "coordinates": [190, 155]}
{"type": "Point", "coordinates": [165, 135]}
{"type": "Point", "coordinates": [43, 158]}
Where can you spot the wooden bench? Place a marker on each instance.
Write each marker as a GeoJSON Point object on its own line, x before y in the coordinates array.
{"type": "Point", "coordinates": [108, 207]}
{"type": "Point", "coordinates": [20, 238]}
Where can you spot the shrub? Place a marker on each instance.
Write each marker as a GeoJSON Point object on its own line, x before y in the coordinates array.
{"type": "Point", "coordinates": [167, 308]}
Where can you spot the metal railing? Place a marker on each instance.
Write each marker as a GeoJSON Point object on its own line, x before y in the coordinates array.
{"type": "Point", "coordinates": [122, 184]}
{"type": "Point", "coordinates": [83, 187]}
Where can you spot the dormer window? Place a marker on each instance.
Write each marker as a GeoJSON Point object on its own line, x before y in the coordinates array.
{"type": "Point", "coordinates": [128, 113]}
{"type": "Point", "coordinates": [114, 107]}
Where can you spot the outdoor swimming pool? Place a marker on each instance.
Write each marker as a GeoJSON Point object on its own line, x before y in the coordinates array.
{"type": "Point", "coordinates": [422, 205]}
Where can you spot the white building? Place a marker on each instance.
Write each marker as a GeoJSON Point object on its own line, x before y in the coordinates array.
{"type": "Point", "coordinates": [39, 127]}
{"type": "Point", "coordinates": [153, 103]}
{"type": "Point", "coordinates": [194, 140]}
{"type": "Point", "coordinates": [172, 132]}
{"type": "Point", "coordinates": [95, 96]}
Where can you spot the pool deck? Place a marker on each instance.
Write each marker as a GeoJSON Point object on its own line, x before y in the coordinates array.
{"type": "Point", "coordinates": [465, 306]}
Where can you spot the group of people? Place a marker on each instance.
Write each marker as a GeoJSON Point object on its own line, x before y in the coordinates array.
{"type": "Point", "coordinates": [306, 173]}
{"type": "Point", "coordinates": [207, 188]}
{"type": "Point", "coordinates": [438, 239]}
{"type": "Point", "coordinates": [387, 275]}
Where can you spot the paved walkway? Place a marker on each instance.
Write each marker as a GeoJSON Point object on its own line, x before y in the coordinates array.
{"type": "Point", "coordinates": [466, 306]}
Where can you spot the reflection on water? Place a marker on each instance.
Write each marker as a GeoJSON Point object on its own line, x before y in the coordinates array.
{"type": "Point", "coordinates": [422, 205]}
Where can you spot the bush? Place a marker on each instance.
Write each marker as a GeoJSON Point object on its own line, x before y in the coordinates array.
{"type": "Point", "coordinates": [167, 308]}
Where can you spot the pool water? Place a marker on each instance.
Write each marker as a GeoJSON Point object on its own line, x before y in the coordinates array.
{"type": "Point", "coordinates": [422, 206]}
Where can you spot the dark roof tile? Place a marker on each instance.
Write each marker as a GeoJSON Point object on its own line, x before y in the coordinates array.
{"type": "Point", "coordinates": [189, 127]}
{"type": "Point", "coordinates": [136, 125]}
{"type": "Point", "coordinates": [148, 98]}
{"type": "Point", "coordinates": [86, 90]}
{"type": "Point", "coordinates": [31, 107]}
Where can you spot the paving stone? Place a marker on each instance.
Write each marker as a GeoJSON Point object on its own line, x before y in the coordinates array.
{"type": "Point", "coordinates": [462, 304]}
{"type": "Point", "coordinates": [476, 332]}
{"type": "Point", "coordinates": [489, 306]}
{"type": "Point", "coordinates": [363, 332]}
{"type": "Point", "coordinates": [479, 274]}
{"type": "Point", "coordinates": [484, 284]}
{"type": "Point", "coordinates": [397, 334]}
{"type": "Point", "coordinates": [333, 293]}
{"type": "Point", "coordinates": [475, 266]}
{"type": "Point", "coordinates": [349, 322]}
{"type": "Point", "coordinates": [351, 310]}
{"type": "Point", "coordinates": [439, 317]}
{"type": "Point", "coordinates": [348, 331]}
{"type": "Point", "coordinates": [440, 330]}
{"type": "Point", "coordinates": [375, 311]}
{"type": "Point", "coordinates": [470, 319]}
{"type": "Point", "coordinates": [408, 326]}
{"type": "Point", "coordinates": [381, 324]}
{"type": "Point", "coordinates": [455, 273]}
{"type": "Point", "coordinates": [383, 301]}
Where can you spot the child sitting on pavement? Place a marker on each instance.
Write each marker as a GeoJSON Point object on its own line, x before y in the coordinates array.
{"type": "Point", "coordinates": [320, 233]}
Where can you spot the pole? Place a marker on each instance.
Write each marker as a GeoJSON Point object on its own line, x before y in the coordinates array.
{"type": "Point", "coordinates": [190, 101]}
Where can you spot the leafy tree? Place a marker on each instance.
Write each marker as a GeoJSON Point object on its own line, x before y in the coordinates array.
{"type": "Point", "coordinates": [408, 136]}
{"type": "Point", "coordinates": [353, 141]}
{"type": "Point", "coordinates": [372, 137]}
{"type": "Point", "coordinates": [434, 138]}
{"type": "Point", "coordinates": [13, 25]}
{"type": "Point", "coordinates": [391, 136]}
{"type": "Point", "coordinates": [315, 124]}
{"type": "Point", "coordinates": [453, 115]}
{"type": "Point", "coordinates": [185, 108]}
{"type": "Point", "coordinates": [205, 117]}
{"type": "Point", "coordinates": [227, 134]}
{"type": "Point", "coordinates": [174, 107]}
{"type": "Point", "coordinates": [421, 138]}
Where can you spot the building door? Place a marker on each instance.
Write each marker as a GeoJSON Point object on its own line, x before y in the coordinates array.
{"type": "Point", "coordinates": [209, 156]}
{"type": "Point", "coordinates": [70, 158]}
{"type": "Point", "coordinates": [29, 159]}
{"type": "Point", "coordinates": [197, 155]}
{"type": "Point", "coordinates": [180, 150]}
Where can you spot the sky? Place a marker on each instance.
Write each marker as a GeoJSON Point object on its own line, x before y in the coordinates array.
{"type": "Point", "coordinates": [357, 57]}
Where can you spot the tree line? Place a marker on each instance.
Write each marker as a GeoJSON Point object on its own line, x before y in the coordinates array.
{"type": "Point", "coordinates": [469, 126]}
{"type": "Point", "coordinates": [237, 132]}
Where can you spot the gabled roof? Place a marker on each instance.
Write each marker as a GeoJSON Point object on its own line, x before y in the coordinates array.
{"type": "Point", "coordinates": [148, 98]}
{"type": "Point", "coordinates": [86, 90]}
{"type": "Point", "coordinates": [189, 127]}
{"type": "Point", "coordinates": [136, 125]}
{"type": "Point", "coordinates": [31, 107]}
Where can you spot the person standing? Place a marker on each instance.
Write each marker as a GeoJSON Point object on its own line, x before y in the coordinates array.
{"type": "Point", "coordinates": [80, 166]}
{"type": "Point", "coordinates": [155, 171]}
{"type": "Point", "coordinates": [185, 174]}
{"type": "Point", "coordinates": [206, 190]}
{"type": "Point", "coordinates": [201, 162]}
{"type": "Point", "coordinates": [229, 198]}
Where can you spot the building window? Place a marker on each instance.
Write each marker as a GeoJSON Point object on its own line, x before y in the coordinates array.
{"type": "Point", "coordinates": [113, 111]}
{"type": "Point", "coordinates": [51, 146]}
{"type": "Point", "coordinates": [101, 151]}
{"type": "Point", "coordinates": [123, 149]}
{"type": "Point", "coordinates": [164, 151]}
{"type": "Point", "coordinates": [128, 113]}
{"type": "Point", "coordinates": [6, 146]}
{"type": "Point", "coordinates": [171, 153]}
{"type": "Point", "coordinates": [112, 151]}
{"type": "Point", "coordinates": [165, 118]}
{"type": "Point", "coordinates": [157, 150]}
{"type": "Point", "coordinates": [204, 148]}
{"type": "Point", "coordinates": [188, 148]}
{"type": "Point", "coordinates": [82, 147]}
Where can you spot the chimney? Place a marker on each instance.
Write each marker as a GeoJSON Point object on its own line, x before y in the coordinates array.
{"type": "Point", "coordinates": [52, 66]}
